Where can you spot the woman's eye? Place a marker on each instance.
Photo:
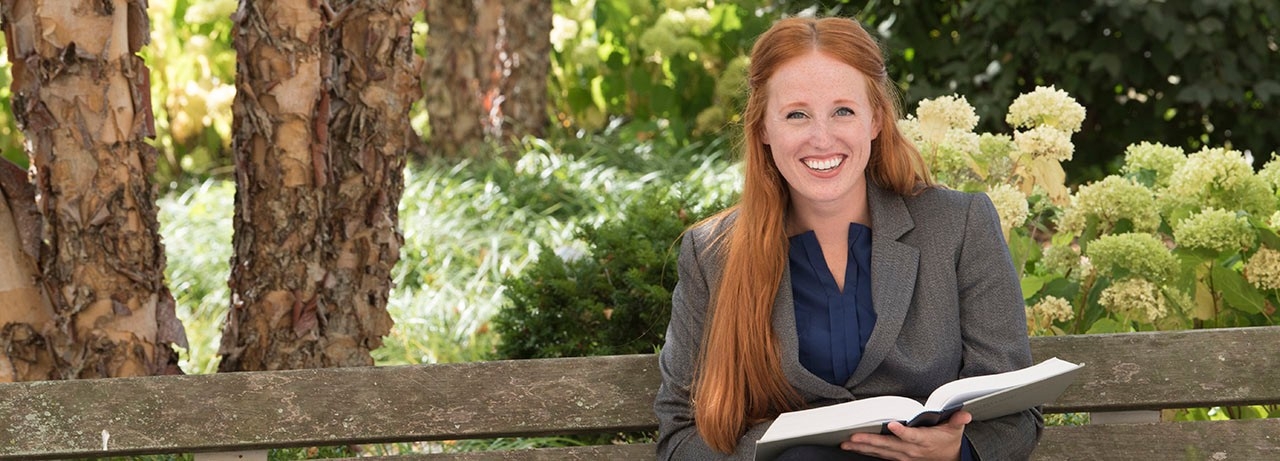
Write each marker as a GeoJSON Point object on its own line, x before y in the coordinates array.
{"type": "Point", "coordinates": [844, 111]}
{"type": "Point", "coordinates": [796, 115]}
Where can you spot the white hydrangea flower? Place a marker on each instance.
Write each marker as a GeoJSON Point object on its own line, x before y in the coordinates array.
{"type": "Point", "coordinates": [1263, 269]}
{"type": "Point", "coordinates": [1010, 204]}
{"type": "Point", "coordinates": [910, 129]}
{"type": "Point", "coordinates": [1160, 160]}
{"type": "Point", "coordinates": [1271, 172]}
{"type": "Point", "coordinates": [1135, 299]}
{"type": "Point", "coordinates": [939, 115]}
{"type": "Point", "coordinates": [1061, 258]}
{"type": "Point", "coordinates": [1045, 142]}
{"type": "Point", "coordinates": [1216, 230]}
{"type": "Point", "coordinates": [1048, 107]}
{"type": "Point", "coordinates": [1054, 308]}
{"type": "Point", "coordinates": [1111, 200]}
{"type": "Point", "coordinates": [1219, 178]}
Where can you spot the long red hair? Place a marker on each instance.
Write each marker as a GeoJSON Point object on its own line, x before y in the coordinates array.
{"type": "Point", "coordinates": [740, 380]}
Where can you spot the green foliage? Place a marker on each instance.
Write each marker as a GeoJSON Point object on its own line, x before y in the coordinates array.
{"type": "Point", "coordinates": [674, 68]}
{"type": "Point", "coordinates": [196, 226]}
{"type": "Point", "coordinates": [10, 136]}
{"type": "Point", "coordinates": [1192, 73]}
{"type": "Point", "coordinates": [192, 73]}
{"type": "Point", "coordinates": [613, 299]}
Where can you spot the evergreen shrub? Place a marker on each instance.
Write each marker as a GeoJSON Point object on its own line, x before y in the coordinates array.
{"type": "Point", "coordinates": [612, 298]}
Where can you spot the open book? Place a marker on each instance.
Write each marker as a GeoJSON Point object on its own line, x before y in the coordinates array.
{"type": "Point", "coordinates": [986, 397]}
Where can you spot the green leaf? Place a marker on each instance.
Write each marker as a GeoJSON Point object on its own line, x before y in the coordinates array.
{"type": "Point", "coordinates": [1031, 285]}
{"type": "Point", "coordinates": [1236, 291]}
{"type": "Point", "coordinates": [1107, 325]}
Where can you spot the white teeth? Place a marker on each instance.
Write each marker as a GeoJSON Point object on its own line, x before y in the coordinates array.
{"type": "Point", "coordinates": [824, 165]}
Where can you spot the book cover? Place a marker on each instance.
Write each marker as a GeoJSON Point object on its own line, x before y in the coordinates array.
{"type": "Point", "coordinates": [986, 397]}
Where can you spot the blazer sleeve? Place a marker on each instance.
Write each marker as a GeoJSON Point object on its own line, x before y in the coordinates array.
{"type": "Point", "coordinates": [993, 329]}
{"type": "Point", "coordinates": [678, 361]}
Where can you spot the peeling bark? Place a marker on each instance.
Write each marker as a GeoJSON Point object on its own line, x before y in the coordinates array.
{"type": "Point", "coordinates": [26, 316]}
{"type": "Point", "coordinates": [81, 98]}
{"type": "Point", "coordinates": [487, 64]}
{"type": "Point", "coordinates": [375, 79]}
{"type": "Point", "coordinates": [320, 133]}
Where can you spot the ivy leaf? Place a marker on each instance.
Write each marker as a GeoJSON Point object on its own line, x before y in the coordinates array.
{"type": "Point", "coordinates": [1236, 291]}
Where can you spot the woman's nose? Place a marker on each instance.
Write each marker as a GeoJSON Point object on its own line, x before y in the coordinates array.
{"type": "Point", "coordinates": [820, 133]}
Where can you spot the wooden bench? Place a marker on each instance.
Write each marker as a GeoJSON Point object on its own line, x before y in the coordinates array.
{"type": "Point", "coordinates": [1132, 375]}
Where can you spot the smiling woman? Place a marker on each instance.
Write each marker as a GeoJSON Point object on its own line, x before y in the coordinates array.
{"type": "Point", "coordinates": [843, 272]}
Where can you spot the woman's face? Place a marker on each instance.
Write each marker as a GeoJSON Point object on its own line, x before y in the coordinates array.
{"type": "Point", "coordinates": [819, 125]}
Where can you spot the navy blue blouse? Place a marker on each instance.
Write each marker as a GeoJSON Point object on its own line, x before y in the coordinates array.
{"type": "Point", "coordinates": [833, 326]}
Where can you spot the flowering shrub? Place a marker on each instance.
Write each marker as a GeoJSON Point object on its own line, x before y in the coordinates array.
{"type": "Point", "coordinates": [1172, 241]}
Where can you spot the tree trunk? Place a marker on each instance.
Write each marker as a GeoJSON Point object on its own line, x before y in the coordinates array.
{"type": "Point", "coordinates": [81, 98]}
{"type": "Point", "coordinates": [26, 318]}
{"type": "Point", "coordinates": [487, 64]}
{"type": "Point", "coordinates": [320, 128]}
{"type": "Point", "coordinates": [525, 88]}
{"type": "Point", "coordinates": [375, 79]}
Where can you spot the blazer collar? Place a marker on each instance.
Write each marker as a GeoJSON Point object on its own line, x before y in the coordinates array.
{"type": "Point", "coordinates": [893, 278]}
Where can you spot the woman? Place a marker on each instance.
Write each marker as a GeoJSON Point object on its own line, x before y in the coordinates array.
{"type": "Point", "coordinates": [841, 274]}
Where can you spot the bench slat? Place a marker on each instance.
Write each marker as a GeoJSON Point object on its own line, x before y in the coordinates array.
{"type": "Point", "coordinates": [1168, 369]}
{"type": "Point", "coordinates": [635, 451]}
{"type": "Point", "coordinates": [1236, 439]}
{"type": "Point", "coordinates": [246, 411]}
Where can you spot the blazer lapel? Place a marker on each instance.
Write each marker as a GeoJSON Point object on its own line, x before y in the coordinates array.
{"type": "Point", "coordinates": [784, 327]}
{"type": "Point", "coordinates": [893, 276]}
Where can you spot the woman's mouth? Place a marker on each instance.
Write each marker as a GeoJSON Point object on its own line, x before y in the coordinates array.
{"type": "Point", "coordinates": [826, 164]}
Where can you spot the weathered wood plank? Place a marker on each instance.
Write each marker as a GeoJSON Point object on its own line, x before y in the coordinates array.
{"type": "Point", "coordinates": [1193, 440]}
{"type": "Point", "coordinates": [1168, 369]}
{"type": "Point", "coordinates": [637, 451]}
{"type": "Point", "coordinates": [244, 411]}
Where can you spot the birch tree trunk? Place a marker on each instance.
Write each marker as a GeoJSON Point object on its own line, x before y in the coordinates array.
{"type": "Point", "coordinates": [82, 100]}
{"type": "Point", "coordinates": [487, 64]}
{"type": "Point", "coordinates": [320, 128]}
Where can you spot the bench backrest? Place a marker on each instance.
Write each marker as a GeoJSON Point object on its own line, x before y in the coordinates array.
{"type": "Point", "coordinates": [245, 411]}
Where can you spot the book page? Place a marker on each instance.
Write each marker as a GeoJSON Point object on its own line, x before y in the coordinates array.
{"type": "Point", "coordinates": [957, 392]}
{"type": "Point", "coordinates": [841, 416]}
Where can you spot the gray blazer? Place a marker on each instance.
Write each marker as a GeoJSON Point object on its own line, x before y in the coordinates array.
{"type": "Point", "coordinates": [948, 305]}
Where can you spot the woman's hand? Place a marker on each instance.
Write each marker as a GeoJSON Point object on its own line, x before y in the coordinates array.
{"type": "Point", "coordinates": [941, 442]}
